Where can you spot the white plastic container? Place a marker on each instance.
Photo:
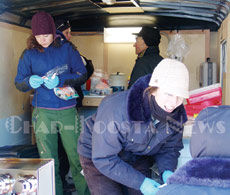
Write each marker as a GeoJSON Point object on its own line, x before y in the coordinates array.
{"type": "Point", "coordinates": [118, 81]}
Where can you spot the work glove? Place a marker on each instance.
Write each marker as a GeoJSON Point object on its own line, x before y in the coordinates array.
{"type": "Point", "coordinates": [51, 82]}
{"type": "Point", "coordinates": [149, 187]}
{"type": "Point", "coordinates": [35, 81]}
{"type": "Point", "coordinates": [166, 174]}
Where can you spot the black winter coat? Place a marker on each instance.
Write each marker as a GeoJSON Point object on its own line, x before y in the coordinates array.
{"type": "Point", "coordinates": [145, 65]}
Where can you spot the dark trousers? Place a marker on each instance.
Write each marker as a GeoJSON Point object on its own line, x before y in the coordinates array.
{"type": "Point", "coordinates": [101, 185]}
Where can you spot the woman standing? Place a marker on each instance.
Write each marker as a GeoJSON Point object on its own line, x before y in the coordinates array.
{"type": "Point", "coordinates": [51, 114]}
{"type": "Point", "coordinates": [134, 130]}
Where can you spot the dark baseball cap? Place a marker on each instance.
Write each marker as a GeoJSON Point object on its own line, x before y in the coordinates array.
{"type": "Point", "coordinates": [150, 35]}
{"type": "Point", "coordinates": [62, 24]}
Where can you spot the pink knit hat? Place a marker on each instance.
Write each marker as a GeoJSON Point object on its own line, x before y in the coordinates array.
{"type": "Point", "coordinates": [42, 23]}
{"type": "Point", "coordinates": [172, 77]}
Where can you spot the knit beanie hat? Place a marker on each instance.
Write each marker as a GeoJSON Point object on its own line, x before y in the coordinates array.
{"type": "Point", "coordinates": [62, 24]}
{"type": "Point", "coordinates": [42, 23]}
{"type": "Point", "coordinates": [151, 36]}
{"type": "Point", "coordinates": [172, 77]}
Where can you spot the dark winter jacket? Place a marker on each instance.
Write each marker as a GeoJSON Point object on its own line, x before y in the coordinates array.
{"type": "Point", "coordinates": [122, 131]}
{"type": "Point", "coordinates": [34, 62]}
{"type": "Point", "coordinates": [209, 171]}
{"type": "Point", "coordinates": [146, 64]}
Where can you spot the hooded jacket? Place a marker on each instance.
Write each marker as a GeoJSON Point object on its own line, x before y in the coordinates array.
{"type": "Point", "coordinates": [64, 60]}
{"type": "Point", "coordinates": [123, 130]}
{"type": "Point", "coordinates": [208, 173]}
{"type": "Point", "coordinates": [146, 64]}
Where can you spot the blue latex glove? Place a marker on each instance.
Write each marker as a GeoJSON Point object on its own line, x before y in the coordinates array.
{"type": "Point", "coordinates": [149, 187]}
{"type": "Point", "coordinates": [166, 174]}
{"type": "Point", "coordinates": [51, 83]}
{"type": "Point", "coordinates": [35, 81]}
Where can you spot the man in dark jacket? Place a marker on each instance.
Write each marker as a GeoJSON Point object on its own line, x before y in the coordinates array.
{"type": "Point", "coordinates": [147, 49]}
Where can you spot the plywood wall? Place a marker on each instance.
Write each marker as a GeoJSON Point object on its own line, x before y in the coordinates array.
{"type": "Point", "coordinates": [14, 105]}
{"type": "Point", "coordinates": [121, 57]}
{"type": "Point", "coordinates": [92, 47]}
{"type": "Point", "coordinates": [13, 42]}
{"type": "Point", "coordinates": [224, 35]}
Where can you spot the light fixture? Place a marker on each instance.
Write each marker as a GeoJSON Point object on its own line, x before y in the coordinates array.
{"type": "Point", "coordinates": [120, 34]}
{"type": "Point", "coordinates": [109, 2]}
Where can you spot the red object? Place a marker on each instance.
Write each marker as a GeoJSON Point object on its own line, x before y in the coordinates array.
{"type": "Point", "coordinates": [193, 109]}
{"type": "Point", "coordinates": [202, 98]}
{"type": "Point", "coordinates": [88, 84]}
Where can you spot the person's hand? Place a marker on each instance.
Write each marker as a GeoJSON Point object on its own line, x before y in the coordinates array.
{"type": "Point", "coordinates": [35, 81]}
{"type": "Point", "coordinates": [51, 82]}
{"type": "Point", "coordinates": [166, 174]}
{"type": "Point", "coordinates": [149, 187]}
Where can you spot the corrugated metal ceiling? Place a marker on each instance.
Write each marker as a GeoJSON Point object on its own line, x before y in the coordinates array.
{"type": "Point", "coordinates": [94, 15]}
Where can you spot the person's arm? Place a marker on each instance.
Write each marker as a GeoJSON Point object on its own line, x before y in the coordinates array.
{"type": "Point", "coordinates": [107, 142]}
{"type": "Point", "coordinates": [23, 73]}
{"type": "Point", "coordinates": [78, 73]}
{"type": "Point", "coordinates": [167, 157]}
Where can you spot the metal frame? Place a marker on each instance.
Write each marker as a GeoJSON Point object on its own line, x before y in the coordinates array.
{"type": "Point", "coordinates": [200, 13]}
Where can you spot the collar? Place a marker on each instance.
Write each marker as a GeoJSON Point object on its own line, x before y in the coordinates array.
{"type": "Point", "coordinates": [140, 55]}
{"type": "Point", "coordinates": [137, 107]}
{"type": "Point", "coordinates": [149, 51]}
{"type": "Point", "coordinates": [206, 171]}
{"type": "Point", "coordinates": [60, 34]}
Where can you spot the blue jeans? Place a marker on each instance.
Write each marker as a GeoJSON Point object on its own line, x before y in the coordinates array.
{"type": "Point", "coordinates": [99, 184]}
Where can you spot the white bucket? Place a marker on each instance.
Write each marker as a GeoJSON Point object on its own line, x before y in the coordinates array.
{"type": "Point", "coordinates": [118, 81]}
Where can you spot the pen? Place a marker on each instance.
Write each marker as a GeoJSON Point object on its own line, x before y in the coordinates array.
{"type": "Point", "coordinates": [163, 185]}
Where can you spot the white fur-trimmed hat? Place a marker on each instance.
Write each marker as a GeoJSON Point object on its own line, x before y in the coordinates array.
{"type": "Point", "coordinates": [171, 76]}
